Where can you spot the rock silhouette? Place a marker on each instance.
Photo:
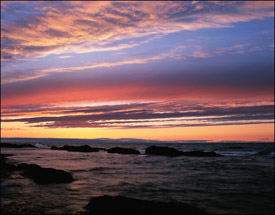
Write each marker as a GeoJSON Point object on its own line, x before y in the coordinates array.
{"type": "Point", "coordinates": [163, 150]}
{"type": "Point", "coordinates": [45, 175]}
{"type": "Point", "coordinates": [123, 150]}
{"type": "Point", "coordinates": [11, 145]}
{"type": "Point", "coordinates": [122, 205]}
{"type": "Point", "coordinates": [84, 148]}
{"type": "Point", "coordinates": [6, 168]}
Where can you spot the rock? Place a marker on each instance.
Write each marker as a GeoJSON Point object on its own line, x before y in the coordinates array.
{"type": "Point", "coordinates": [45, 175]}
{"type": "Point", "coordinates": [123, 150]}
{"type": "Point", "coordinates": [163, 150]}
{"type": "Point", "coordinates": [5, 155]}
{"type": "Point", "coordinates": [11, 145]}
{"type": "Point", "coordinates": [6, 168]}
{"type": "Point", "coordinates": [84, 148]}
{"type": "Point", "coordinates": [4, 158]}
{"type": "Point", "coordinates": [122, 205]}
{"type": "Point", "coordinates": [202, 154]}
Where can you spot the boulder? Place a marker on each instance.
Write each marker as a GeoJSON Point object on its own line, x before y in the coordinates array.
{"type": "Point", "coordinates": [84, 148]}
{"type": "Point", "coordinates": [123, 150]}
{"type": "Point", "coordinates": [122, 205]}
{"type": "Point", "coordinates": [45, 175]}
{"type": "Point", "coordinates": [163, 150]}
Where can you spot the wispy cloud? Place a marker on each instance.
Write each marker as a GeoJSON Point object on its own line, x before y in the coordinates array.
{"type": "Point", "coordinates": [176, 53]}
{"type": "Point", "coordinates": [149, 115]}
{"type": "Point", "coordinates": [59, 29]}
{"type": "Point", "coordinates": [66, 56]}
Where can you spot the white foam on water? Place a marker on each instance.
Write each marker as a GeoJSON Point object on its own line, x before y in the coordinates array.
{"type": "Point", "coordinates": [236, 153]}
{"type": "Point", "coordinates": [38, 145]}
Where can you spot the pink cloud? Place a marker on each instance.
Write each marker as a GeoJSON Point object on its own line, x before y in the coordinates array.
{"type": "Point", "coordinates": [61, 29]}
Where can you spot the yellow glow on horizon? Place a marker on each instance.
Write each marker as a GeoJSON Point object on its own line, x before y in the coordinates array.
{"type": "Point", "coordinates": [253, 132]}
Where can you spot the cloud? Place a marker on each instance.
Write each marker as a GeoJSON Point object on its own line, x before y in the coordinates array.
{"type": "Point", "coordinates": [64, 56]}
{"type": "Point", "coordinates": [149, 115]}
{"type": "Point", "coordinates": [120, 81]}
{"type": "Point", "coordinates": [27, 74]}
{"type": "Point", "coordinates": [57, 28]}
{"type": "Point", "coordinates": [177, 53]}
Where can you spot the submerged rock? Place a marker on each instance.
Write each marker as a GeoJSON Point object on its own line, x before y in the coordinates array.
{"type": "Point", "coordinates": [163, 150]}
{"type": "Point", "coordinates": [123, 150]}
{"type": "Point", "coordinates": [12, 145]}
{"type": "Point", "coordinates": [122, 205]}
{"type": "Point", "coordinates": [45, 175]}
{"type": "Point", "coordinates": [202, 154]}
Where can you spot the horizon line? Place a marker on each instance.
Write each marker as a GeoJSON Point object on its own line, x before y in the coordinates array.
{"type": "Point", "coordinates": [126, 140]}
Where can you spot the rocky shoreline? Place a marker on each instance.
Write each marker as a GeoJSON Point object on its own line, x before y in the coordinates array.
{"type": "Point", "coordinates": [151, 150]}
{"type": "Point", "coordinates": [97, 205]}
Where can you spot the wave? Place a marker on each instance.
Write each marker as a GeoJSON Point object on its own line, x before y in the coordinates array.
{"type": "Point", "coordinates": [236, 153]}
{"type": "Point", "coordinates": [265, 153]}
{"type": "Point", "coordinates": [42, 146]}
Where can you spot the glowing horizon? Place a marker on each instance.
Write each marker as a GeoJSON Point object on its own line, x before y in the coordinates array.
{"type": "Point", "coordinates": [148, 70]}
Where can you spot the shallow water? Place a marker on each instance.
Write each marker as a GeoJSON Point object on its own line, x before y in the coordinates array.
{"type": "Point", "coordinates": [242, 182]}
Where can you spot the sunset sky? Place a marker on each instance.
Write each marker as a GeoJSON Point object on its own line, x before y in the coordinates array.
{"type": "Point", "coordinates": [183, 70]}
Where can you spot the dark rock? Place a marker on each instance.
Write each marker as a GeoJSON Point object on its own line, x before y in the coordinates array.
{"type": "Point", "coordinates": [11, 145]}
{"type": "Point", "coordinates": [84, 148]}
{"type": "Point", "coordinates": [21, 208]}
{"type": "Point", "coordinates": [123, 205]}
{"type": "Point", "coordinates": [6, 168]}
{"type": "Point", "coordinates": [163, 150]}
{"type": "Point", "coordinates": [45, 175]}
{"type": "Point", "coordinates": [4, 158]}
{"type": "Point", "coordinates": [202, 154]}
{"type": "Point", "coordinates": [5, 155]}
{"type": "Point", "coordinates": [54, 148]}
{"type": "Point", "coordinates": [123, 150]}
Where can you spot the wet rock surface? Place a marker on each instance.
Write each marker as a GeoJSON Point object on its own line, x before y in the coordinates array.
{"type": "Point", "coordinates": [45, 175]}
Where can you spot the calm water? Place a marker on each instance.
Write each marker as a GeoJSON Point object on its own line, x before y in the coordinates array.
{"type": "Point", "coordinates": [242, 182]}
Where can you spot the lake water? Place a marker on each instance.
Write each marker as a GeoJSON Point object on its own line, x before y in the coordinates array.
{"type": "Point", "coordinates": [241, 182]}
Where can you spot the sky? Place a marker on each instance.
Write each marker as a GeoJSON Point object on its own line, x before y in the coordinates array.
{"type": "Point", "coordinates": [162, 70]}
